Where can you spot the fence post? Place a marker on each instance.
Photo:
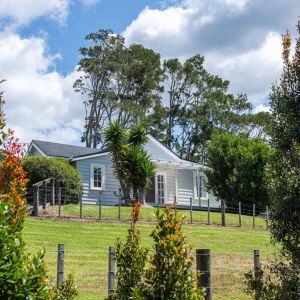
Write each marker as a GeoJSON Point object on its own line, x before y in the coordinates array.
{"type": "Point", "coordinates": [203, 262]}
{"type": "Point", "coordinates": [53, 192]}
{"type": "Point", "coordinates": [267, 218]}
{"type": "Point", "coordinates": [208, 211]}
{"type": "Point", "coordinates": [100, 206]}
{"type": "Point", "coordinates": [111, 270]}
{"type": "Point", "coordinates": [119, 214]}
{"type": "Point", "coordinates": [59, 199]}
{"type": "Point", "coordinates": [45, 195]}
{"type": "Point", "coordinates": [191, 210]}
{"type": "Point", "coordinates": [80, 205]}
{"type": "Point", "coordinates": [223, 213]}
{"type": "Point", "coordinates": [60, 264]}
{"type": "Point", "coordinates": [253, 216]}
{"type": "Point", "coordinates": [240, 214]}
{"type": "Point", "coordinates": [36, 201]}
{"type": "Point", "coordinates": [256, 269]}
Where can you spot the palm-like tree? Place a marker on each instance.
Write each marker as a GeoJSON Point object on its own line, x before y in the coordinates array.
{"type": "Point", "coordinates": [140, 170]}
{"type": "Point", "coordinates": [131, 163]}
{"type": "Point", "coordinates": [116, 142]}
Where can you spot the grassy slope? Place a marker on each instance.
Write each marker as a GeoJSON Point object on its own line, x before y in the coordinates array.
{"type": "Point", "coordinates": [86, 245]}
{"type": "Point", "coordinates": [147, 213]}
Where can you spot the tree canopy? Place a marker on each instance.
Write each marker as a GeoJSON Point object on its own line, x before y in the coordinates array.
{"type": "Point", "coordinates": [179, 102]}
{"type": "Point", "coordinates": [238, 169]}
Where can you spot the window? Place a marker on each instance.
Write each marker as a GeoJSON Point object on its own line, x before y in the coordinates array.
{"type": "Point", "coordinates": [97, 176]}
{"type": "Point", "coordinates": [199, 186]}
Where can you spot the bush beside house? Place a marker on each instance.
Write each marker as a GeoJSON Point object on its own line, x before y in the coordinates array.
{"type": "Point", "coordinates": [40, 168]}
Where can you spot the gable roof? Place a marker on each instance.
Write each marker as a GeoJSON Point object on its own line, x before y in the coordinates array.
{"type": "Point", "coordinates": [63, 150]}
{"type": "Point", "coordinates": [79, 153]}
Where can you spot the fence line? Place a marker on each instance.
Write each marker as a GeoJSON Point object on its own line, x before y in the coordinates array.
{"type": "Point", "coordinates": [57, 202]}
{"type": "Point", "coordinates": [205, 271]}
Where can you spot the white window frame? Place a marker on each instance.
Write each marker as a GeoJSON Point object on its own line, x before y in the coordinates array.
{"type": "Point", "coordinates": [201, 178]}
{"type": "Point", "coordinates": [92, 167]}
{"type": "Point", "coordinates": [165, 186]}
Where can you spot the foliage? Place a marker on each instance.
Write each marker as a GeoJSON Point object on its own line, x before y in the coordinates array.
{"type": "Point", "coordinates": [66, 291]}
{"type": "Point", "coordinates": [277, 280]}
{"type": "Point", "coordinates": [120, 83]}
{"type": "Point", "coordinates": [169, 274]}
{"type": "Point", "coordinates": [131, 163]}
{"type": "Point", "coordinates": [285, 184]}
{"type": "Point", "coordinates": [39, 168]}
{"type": "Point", "coordinates": [198, 103]}
{"type": "Point", "coordinates": [22, 276]}
{"type": "Point", "coordinates": [285, 108]}
{"type": "Point", "coordinates": [130, 261]}
{"type": "Point", "coordinates": [238, 169]}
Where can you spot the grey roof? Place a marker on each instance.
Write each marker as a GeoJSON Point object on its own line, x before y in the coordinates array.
{"type": "Point", "coordinates": [63, 150]}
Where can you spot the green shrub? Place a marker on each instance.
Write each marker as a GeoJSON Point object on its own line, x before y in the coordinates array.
{"type": "Point", "coordinates": [277, 280]}
{"type": "Point", "coordinates": [66, 291]}
{"type": "Point", "coordinates": [40, 168]}
{"type": "Point", "coordinates": [22, 276]}
{"type": "Point", "coordinates": [130, 260]}
{"type": "Point", "coordinates": [169, 275]}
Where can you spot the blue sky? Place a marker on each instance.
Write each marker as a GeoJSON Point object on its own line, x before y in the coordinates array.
{"type": "Point", "coordinates": [39, 43]}
{"type": "Point", "coordinates": [83, 19]}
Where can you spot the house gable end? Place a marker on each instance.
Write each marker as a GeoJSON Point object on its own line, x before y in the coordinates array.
{"type": "Point", "coordinates": [158, 151]}
{"type": "Point", "coordinates": [35, 150]}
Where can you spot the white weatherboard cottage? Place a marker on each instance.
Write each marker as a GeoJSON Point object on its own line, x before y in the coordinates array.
{"type": "Point", "coordinates": [174, 177]}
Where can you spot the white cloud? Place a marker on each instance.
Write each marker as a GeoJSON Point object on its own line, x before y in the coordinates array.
{"type": "Point", "coordinates": [41, 104]}
{"type": "Point", "coordinates": [239, 40]}
{"type": "Point", "coordinates": [251, 72]}
{"type": "Point", "coordinates": [20, 12]}
{"type": "Point", "coordinates": [260, 108]}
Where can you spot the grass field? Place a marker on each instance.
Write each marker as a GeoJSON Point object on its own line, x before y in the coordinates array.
{"type": "Point", "coordinates": [86, 251]}
{"type": "Point", "coordinates": [147, 214]}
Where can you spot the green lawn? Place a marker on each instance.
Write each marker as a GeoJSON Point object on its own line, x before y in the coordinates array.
{"type": "Point", "coordinates": [86, 251]}
{"type": "Point", "coordinates": [147, 214]}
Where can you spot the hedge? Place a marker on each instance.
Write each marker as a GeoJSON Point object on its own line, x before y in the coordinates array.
{"type": "Point", "coordinates": [40, 168]}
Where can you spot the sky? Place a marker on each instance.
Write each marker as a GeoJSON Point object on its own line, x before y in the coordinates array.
{"type": "Point", "coordinates": [40, 41]}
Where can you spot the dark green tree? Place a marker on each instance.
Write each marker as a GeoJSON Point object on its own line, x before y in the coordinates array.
{"type": "Point", "coordinates": [285, 109]}
{"type": "Point", "coordinates": [238, 169]}
{"type": "Point", "coordinates": [281, 278]}
{"type": "Point", "coordinates": [198, 102]}
{"type": "Point", "coordinates": [117, 82]}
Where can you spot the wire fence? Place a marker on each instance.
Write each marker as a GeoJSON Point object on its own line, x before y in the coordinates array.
{"type": "Point", "coordinates": [222, 275]}
{"type": "Point", "coordinates": [53, 201]}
